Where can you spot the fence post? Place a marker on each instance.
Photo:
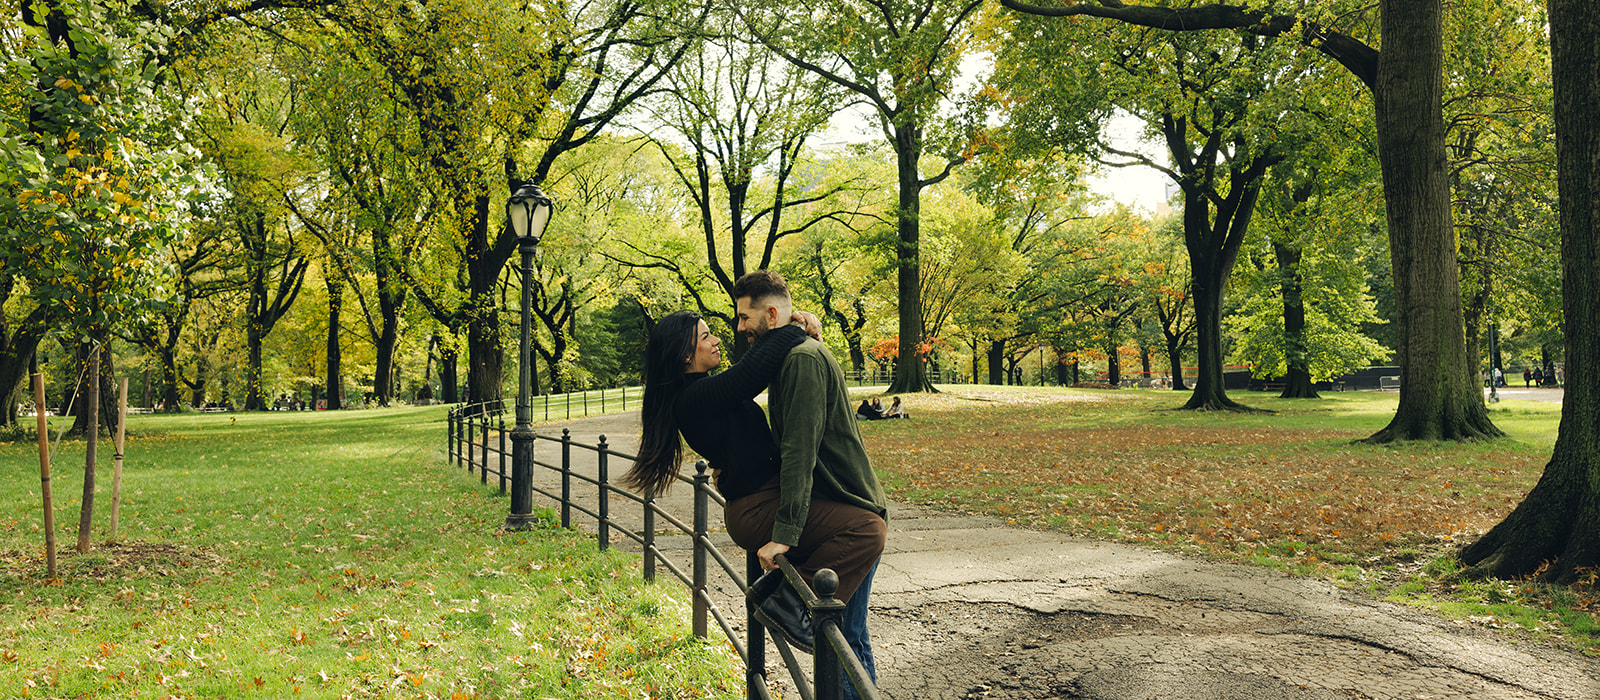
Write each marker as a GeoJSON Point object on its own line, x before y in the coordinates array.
{"type": "Point", "coordinates": [566, 478]}
{"type": "Point", "coordinates": [755, 671]}
{"type": "Point", "coordinates": [602, 401]}
{"type": "Point", "coordinates": [826, 670]}
{"type": "Point", "coordinates": [585, 403]}
{"type": "Point", "coordinates": [702, 506]}
{"type": "Point", "coordinates": [450, 422]}
{"type": "Point", "coordinates": [483, 472]}
{"type": "Point", "coordinates": [502, 433]}
{"type": "Point", "coordinates": [467, 445]}
{"type": "Point", "coordinates": [650, 538]}
{"type": "Point", "coordinates": [605, 496]}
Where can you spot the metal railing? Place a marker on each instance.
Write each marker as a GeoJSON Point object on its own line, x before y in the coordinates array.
{"type": "Point", "coordinates": [479, 440]}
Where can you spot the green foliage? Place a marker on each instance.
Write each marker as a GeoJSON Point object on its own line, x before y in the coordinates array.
{"type": "Point", "coordinates": [96, 180]}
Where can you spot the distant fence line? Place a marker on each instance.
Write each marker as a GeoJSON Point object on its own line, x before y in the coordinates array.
{"type": "Point", "coordinates": [480, 441]}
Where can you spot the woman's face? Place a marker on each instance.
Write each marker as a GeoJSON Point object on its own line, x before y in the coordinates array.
{"type": "Point", "coordinates": [706, 355]}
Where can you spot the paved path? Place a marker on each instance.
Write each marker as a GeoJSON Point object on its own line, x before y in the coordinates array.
{"type": "Point", "coordinates": [964, 607]}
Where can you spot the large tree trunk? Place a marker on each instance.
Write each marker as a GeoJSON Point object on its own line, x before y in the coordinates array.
{"type": "Point", "coordinates": [485, 353]}
{"type": "Point", "coordinates": [335, 358]}
{"type": "Point", "coordinates": [1175, 361]}
{"type": "Point", "coordinates": [997, 358]}
{"type": "Point", "coordinates": [1209, 391]}
{"type": "Point", "coordinates": [1439, 394]}
{"type": "Point", "coordinates": [391, 300]}
{"type": "Point", "coordinates": [1297, 384]}
{"type": "Point", "coordinates": [910, 374]}
{"type": "Point", "coordinates": [1113, 362]}
{"type": "Point", "coordinates": [449, 381]}
{"type": "Point", "coordinates": [170, 401]}
{"type": "Point", "coordinates": [1559, 522]}
{"type": "Point", "coordinates": [17, 349]}
{"type": "Point", "coordinates": [255, 397]}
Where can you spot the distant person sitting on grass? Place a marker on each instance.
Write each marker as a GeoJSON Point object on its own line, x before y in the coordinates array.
{"type": "Point", "coordinates": [867, 412]}
{"type": "Point", "coordinates": [896, 410]}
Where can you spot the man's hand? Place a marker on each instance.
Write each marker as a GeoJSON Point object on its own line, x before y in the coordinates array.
{"type": "Point", "coordinates": [767, 552]}
{"type": "Point", "coordinates": [809, 320]}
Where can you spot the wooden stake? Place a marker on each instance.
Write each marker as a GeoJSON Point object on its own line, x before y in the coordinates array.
{"type": "Point", "coordinates": [91, 404]}
{"type": "Point", "coordinates": [116, 470]}
{"type": "Point", "coordinates": [44, 476]}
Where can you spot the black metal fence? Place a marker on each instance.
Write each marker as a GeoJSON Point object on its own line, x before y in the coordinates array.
{"type": "Point", "coordinates": [480, 441]}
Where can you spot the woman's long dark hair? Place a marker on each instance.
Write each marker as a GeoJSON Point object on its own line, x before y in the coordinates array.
{"type": "Point", "coordinates": [660, 448]}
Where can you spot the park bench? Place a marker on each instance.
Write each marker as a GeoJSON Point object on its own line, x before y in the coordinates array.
{"type": "Point", "coordinates": [1387, 383]}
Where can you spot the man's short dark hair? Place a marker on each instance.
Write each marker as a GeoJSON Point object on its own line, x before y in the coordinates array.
{"type": "Point", "coordinates": [760, 284]}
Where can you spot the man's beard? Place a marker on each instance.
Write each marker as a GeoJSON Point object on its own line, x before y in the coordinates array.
{"type": "Point", "coordinates": [755, 328]}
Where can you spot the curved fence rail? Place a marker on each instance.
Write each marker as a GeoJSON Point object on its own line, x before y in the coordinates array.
{"type": "Point", "coordinates": [480, 442]}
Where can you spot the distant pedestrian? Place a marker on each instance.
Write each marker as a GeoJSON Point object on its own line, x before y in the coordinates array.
{"type": "Point", "coordinates": [1527, 377]}
{"type": "Point", "coordinates": [1538, 377]}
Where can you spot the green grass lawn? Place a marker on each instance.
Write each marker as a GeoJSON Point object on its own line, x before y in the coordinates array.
{"type": "Point", "coordinates": [322, 555]}
{"type": "Point", "coordinates": [1284, 489]}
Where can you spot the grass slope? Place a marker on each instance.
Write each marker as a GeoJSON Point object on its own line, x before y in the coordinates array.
{"type": "Point", "coordinates": [322, 555]}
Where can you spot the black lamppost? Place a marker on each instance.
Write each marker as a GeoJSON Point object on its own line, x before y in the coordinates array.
{"type": "Point", "coordinates": [529, 212]}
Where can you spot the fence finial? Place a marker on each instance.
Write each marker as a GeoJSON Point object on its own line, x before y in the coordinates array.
{"type": "Point", "coordinates": [699, 466]}
{"type": "Point", "coordinates": [826, 582]}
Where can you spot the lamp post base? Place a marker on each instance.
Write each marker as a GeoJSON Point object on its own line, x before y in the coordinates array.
{"type": "Point", "coordinates": [520, 522]}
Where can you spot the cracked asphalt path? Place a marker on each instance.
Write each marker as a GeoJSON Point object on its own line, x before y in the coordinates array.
{"type": "Point", "coordinates": [965, 607]}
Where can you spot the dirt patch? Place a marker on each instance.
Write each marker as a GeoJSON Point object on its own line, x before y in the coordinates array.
{"type": "Point", "coordinates": [989, 650]}
{"type": "Point", "coordinates": [105, 562]}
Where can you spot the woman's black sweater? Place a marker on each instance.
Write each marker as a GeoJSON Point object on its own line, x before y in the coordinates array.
{"type": "Point", "coordinates": [719, 418]}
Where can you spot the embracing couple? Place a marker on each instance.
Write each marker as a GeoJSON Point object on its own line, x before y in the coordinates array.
{"type": "Point", "coordinates": [802, 487]}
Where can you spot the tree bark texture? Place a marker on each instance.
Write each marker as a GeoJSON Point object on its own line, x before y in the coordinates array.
{"type": "Point", "coordinates": [485, 355]}
{"type": "Point", "coordinates": [910, 373]}
{"type": "Point", "coordinates": [1559, 522]}
{"type": "Point", "coordinates": [1439, 394]}
{"type": "Point", "coordinates": [335, 358]}
{"type": "Point", "coordinates": [17, 350]}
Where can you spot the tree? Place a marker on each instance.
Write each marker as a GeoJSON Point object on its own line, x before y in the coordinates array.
{"type": "Point", "coordinates": [1555, 531]}
{"type": "Point", "coordinates": [901, 57]}
{"type": "Point", "coordinates": [526, 97]}
{"type": "Point", "coordinates": [1305, 295]}
{"type": "Point", "coordinates": [1439, 394]}
{"type": "Point", "coordinates": [745, 116]}
{"type": "Point", "coordinates": [368, 150]}
{"type": "Point", "coordinates": [93, 181]}
{"type": "Point", "coordinates": [196, 273]}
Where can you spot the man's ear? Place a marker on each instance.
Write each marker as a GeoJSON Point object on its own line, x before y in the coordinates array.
{"type": "Point", "coordinates": [772, 317]}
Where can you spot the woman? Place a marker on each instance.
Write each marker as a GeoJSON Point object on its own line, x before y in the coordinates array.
{"type": "Point", "coordinates": [896, 410]}
{"type": "Point", "coordinates": [718, 416]}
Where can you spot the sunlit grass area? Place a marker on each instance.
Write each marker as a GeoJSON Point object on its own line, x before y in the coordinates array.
{"type": "Point", "coordinates": [1284, 488]}
{"type": "Point", "coordinates": [322, 555]}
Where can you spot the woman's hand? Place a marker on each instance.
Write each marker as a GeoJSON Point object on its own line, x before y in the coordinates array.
{"type": "Point", "coordinates": [811, 323]}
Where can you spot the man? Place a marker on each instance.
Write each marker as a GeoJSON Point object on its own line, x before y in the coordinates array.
{"type": "Point", "coordinates": [831, 507]}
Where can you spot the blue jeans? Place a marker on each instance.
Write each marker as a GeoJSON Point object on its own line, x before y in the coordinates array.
{"type": "Point", "coordinates": [855, 631]}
